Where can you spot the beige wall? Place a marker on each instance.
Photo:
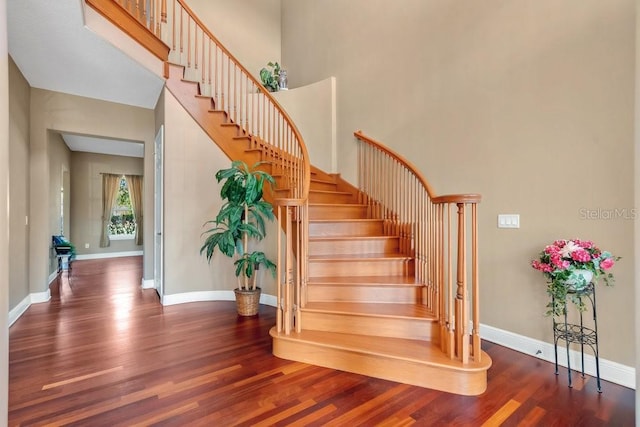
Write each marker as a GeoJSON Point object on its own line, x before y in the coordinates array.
{"type": "Point", "coordinates": [86, 199]}
{"type": "Point", "coordinates": [249, 29]}
{"type": "Point", "coordinates": [312, 108]}
{"type": "Point", "coordinates": [53, 111]}
{"type": "Point", "coordinates": [191, 196]}
{"type": "Point", "coordinates": [528, 103]}
{"type": "Point", "coordinates": [4, 220]}
{"type": "Point", "coordinates": [637, 198]}
{"type": "Point", "coordinates": [19, 92]}
{"type": "Point", "coordinates": [59, 165]}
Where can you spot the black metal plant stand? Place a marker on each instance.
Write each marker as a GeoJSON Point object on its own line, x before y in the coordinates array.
{"type": "Point", "coordinates": [580, 334]}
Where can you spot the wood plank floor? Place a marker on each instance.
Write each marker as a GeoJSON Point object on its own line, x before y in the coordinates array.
{"type": "Point", "coordinates": [105, 352]}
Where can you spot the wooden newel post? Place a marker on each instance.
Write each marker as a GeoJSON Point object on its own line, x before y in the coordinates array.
{"type": "Point", "coordinates": [462, 341]}
{"type": "Point", "coordinates": [288, 306]}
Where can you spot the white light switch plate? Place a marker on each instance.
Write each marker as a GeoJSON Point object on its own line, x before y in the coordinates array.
{"type": "Point", "coordinates": [508, 221]}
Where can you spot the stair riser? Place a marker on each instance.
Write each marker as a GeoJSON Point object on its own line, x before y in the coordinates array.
{"type": "Point", "coordinates": [330, 198]}
{"type": "Point", "coordinates": [382, 245]}
{"type": "Point", "coordinates": [463, 382]}
{"type": "Point", "coordinates": [416, 329]}
{"type": "Point", "coordinates": [364, 294]}
{"type": "Point", "coordinates": [323, 186]}
{"type": "Point", "coordinates": [345, 228]}
{"type": "Point", "coordinates": [375, 267]}
{"type": "Point", "coordinates": [337, 212]}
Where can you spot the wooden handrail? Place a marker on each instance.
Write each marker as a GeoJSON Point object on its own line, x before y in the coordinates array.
{"type": "Point", "coordinates": [434, 230]}
{"type": "Point", "coordinates": [116, 12]}
{"type": "Point", "coordinates": [458, 198]}
{"type": "Point", "coordinates": [361, 136]}
{"type": "Point", "coordinates": [304, 154]}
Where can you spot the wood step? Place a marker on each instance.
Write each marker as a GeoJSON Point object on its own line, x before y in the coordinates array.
{"type": "Point", "coordinates": [390, 289]}
{"type": "Point", "coordinates": [411, 321]}
{"type": "Point", "coordinates": [364, 294]}
{"type": "Point", "coordinates": [337, 211]}
{"type": "Point", "coordinates": [360, 265]}
{"type": "Point", "coordinates": [415, 362]}
{"type": "Point", "coordinates": [320, 196]}
{"type": "Point", "coordinates": [345, 227]}
{"type": "Point", "coordinates": [322, 185]}
{"type": "Point", "coordinates": [354, 245]}
{"type": "Point", "coordinates": [320, 174]}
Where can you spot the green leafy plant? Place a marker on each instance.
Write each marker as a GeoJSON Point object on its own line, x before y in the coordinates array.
{"type": "Point", "coordinates": [270, 75]}
{"type": "Point", "coordinates": [242, 217]}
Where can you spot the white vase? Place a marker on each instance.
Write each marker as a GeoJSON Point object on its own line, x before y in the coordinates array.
{"type": "Point", "coordinates": [579, 279]}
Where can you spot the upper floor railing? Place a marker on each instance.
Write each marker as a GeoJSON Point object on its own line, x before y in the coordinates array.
{"type": "Point", "coordinates": [441, 233]}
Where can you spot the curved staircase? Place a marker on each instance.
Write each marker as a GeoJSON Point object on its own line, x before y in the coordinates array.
{"type": "Point", "coordinates": [362, 307]}
{"type": "Point", "coordinates": [373, 280]}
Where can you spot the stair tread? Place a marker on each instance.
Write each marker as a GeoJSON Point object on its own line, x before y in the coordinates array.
{"type": "Point", "coordinates": [324, 181]}
{"type": "Point", "coordinates": [339, 238]}
{"type": "Point", "coordinates": [395, 310]}
{"type": "Point", "coordinates": [360, 257]}
{"type": "Point", "coordinates": [345, 220]}
{"type": "Point", "coordinates": [417, 351]}
{"type": "Point", "coordinates": [365, 280]}
{"type": "Point", "coordinates": [322, 205]}
{"type": "Point", "coordinates": [341, 193]}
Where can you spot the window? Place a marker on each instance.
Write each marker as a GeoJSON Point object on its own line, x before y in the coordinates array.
{"type": "Point", "coordinates": [123, 224]}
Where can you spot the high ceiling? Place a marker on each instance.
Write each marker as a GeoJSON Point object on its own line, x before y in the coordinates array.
{"type": "Point", "coordinates": [55, 51]}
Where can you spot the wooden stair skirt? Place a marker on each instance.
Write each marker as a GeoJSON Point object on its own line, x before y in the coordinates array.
{"type": "Point", "coordinates": [406, 361]}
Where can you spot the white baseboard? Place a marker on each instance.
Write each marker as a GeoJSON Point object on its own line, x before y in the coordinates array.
{"type": "Point", "coordinates": [109, 255]}
{"type": "Point", "coordinates": [23, 305]}
{"type": "Point", "coordinates": [610, 371]}
{"type": "Point", "coordinates": [211, 296]}
{"type": "Point", "coordinates": [39, 297]}
{"type": "Point", "coordinates": [53, 276]}
{"type": "Point", "coordinates": [148, 284]}
{"type": "Point", "coordinates": [19, 309]}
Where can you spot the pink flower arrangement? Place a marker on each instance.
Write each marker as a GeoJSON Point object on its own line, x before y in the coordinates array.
{"type": "Point", "coordinates": [564, 262]}
{"type": "Point", "coordinates": [559, 260]}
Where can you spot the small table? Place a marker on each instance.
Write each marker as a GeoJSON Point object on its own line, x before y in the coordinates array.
{"type": "Point", "coordinates": [580, 334]}
{"type": "Point", "coordinates": [63, 253]}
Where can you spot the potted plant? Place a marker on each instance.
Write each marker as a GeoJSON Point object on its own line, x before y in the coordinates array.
{"type": "Point", "coordinates": [270, 76]}
{"type": "Point", "coordinates": [241, 219]}
{"type": "Point", "coordinates": [570, 266]}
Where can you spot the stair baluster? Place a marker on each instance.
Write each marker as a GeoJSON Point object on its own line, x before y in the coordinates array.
{"type": "Point", "coordinates": [398, 194]}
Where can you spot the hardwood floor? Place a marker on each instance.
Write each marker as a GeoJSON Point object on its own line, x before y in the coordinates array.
{"type": "Point", "coordinates": [105, 352]}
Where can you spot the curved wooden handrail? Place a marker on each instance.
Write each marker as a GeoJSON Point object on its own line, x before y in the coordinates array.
{"type": "Point", "coordinates": [272, 100]}
{"type": "Point", "coordinates": [457, 198]}
{"type": "Point", "coordinates": [358, 134]}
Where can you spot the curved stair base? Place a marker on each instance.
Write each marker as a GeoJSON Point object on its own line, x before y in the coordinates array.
{"type": "Point", "coordinates": [406, 361]}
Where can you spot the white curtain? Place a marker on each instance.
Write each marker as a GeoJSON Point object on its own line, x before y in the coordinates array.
{"type": "Point", "coordinates": [135, 194]}
{"type": "Point", "coordinates": [110, 184]}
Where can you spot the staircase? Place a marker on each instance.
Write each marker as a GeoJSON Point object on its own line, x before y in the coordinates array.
{"type": "Point", "coordinates": [362, 307]}
{"type": "Point", "coordinates": [372, 280]}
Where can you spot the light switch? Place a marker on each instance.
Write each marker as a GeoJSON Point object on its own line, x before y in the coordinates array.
{"type": "Point", "coordinates": [508, 221]}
